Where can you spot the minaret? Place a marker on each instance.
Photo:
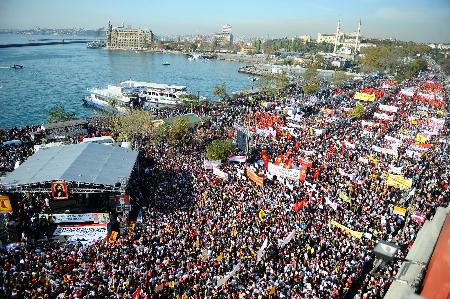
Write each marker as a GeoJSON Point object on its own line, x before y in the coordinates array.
{"type": "Point", "coordinates": [357, 36]}
{"type": "Point", "coordinates": [337, 36]}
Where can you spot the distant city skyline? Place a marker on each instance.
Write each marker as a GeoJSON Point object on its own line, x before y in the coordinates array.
{"type": "Point", "coordinates": [415, 20]}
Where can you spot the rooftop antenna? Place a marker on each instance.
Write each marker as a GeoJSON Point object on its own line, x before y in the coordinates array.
{"type": "Point", "coordinates": [357, 36]}
{"type": "Point", "coordinates": [337, 36]}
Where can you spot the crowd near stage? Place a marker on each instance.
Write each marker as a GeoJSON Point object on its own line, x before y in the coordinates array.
{"type": "Point", "coordinates": [343, 193]}
{"type": "Point", "coordinates": [81, 189]}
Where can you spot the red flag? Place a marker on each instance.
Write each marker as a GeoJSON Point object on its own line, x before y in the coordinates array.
{"type": "Point", "coordinates": [303, 173]}
{"type": "Point", "coordinates": [331, 150]}
{"type": "Point", "coordinates": [299, 205]}
{"type": "Point", "coordinates": [343, 148]}
{"type": "Point", "coordinates": [288, 164]}
{"type": "Point", "coordinates": [279, 159]}
{"type": "Point", "coordinates": [136, 293]}
{"type": "Point", "coordinates": [316, 173]}
{"type": "Point", "coordinates": [297, 144]}
{"type": "Point", "coordinates": [265, 158]}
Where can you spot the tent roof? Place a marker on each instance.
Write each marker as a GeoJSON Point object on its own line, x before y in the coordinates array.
{"type": "Point", "coordinates": [84, 163]}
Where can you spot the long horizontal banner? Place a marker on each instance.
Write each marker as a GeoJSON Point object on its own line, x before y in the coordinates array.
{"type": "Point", "coordinates": [397, 181]}
{"type": "Point", "coordinates": [240, 159]}
{"type": "Point", "coordinates": [383, 150]}
{"type": "Point", "coordinates": [77, 218]}
{"type": "Point", "coordinates": [364, 97]}
{"type": "Point", "coordinates": [383, 116]}
{"type": "Point", "coordinates": [388, 108]}
{"type": "Point", "coordinates": [354, 233]}
{"type": "Point", "coordinates": [82, 232]}
{"type": "Point", "coordinates": [279, 171]}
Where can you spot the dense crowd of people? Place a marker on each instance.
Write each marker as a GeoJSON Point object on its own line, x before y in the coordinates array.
{"type": "Point", "coordinates": [204, 236]}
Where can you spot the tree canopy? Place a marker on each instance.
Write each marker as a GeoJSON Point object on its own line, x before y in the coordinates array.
{"type": "Point", "coordinates": [58, 114]}
{"type": "Point", "coordinates": [219, 149]}
{"type": "Point", "coordinates": [130, 126]}
{"type": "Point", "coordinates": [221, 91]}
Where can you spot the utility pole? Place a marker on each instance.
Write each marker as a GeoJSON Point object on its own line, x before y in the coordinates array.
{"type": "Point", "coordinates": [337, 36]}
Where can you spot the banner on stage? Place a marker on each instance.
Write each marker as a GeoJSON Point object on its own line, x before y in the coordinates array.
{"type": "Point", "coordinates": [89, 232]}
{"type": "Point", "coordinates": [59, 190]}
{"type": "Point", "coordinates": [5, 204]}
{"type": "Point", "coordinates": [77, 218]}
{"type": "Point", "coordinates": [354, 233]}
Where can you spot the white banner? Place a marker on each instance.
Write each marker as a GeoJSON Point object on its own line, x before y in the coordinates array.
{"type": "Point", "coordinates": [240, 159]}
{"type": "Point", "coordinates": [221, 174]}
{"type": "Point", "coordinates": [398, 142]}
{"type": "Point", "coordinates": [279, 171]}
{"type": "Point", "coordinates": [409, 91]}
{"type": "Point", "coordinates": [348, 144]}
{"type": "Point", "coordinates": [224, 279]}
{"type": "Point", "coordinates": [389, 151]}
{"type": "Point", "coordinates": [331, 204]}
{"type": "Point", "coordinates": [211, 164]}
{"type": "Point", "coordinates": [388, 108]}
{"type": "Point", "coordinates": [77, 218]}
{"type": "Point", "coordinates": [265, 132]}
{"type": "Point", "coordinates": [287, 239]}
{"type": "Point", "coordinates": [396, 170]}
{"type": "Point", "coordinates": [261, 251]}
{"type": "Point", "coordinates": [413, 154]}
{"type": "Point", "coordinates": [88, 232]}
{"type": "Point", "coordinates": [383, 116]}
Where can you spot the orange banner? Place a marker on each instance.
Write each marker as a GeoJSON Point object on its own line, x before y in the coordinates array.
{"type": "Point", "coordinates": [5, 204]}
{"type": "Point", "coordinates": [254, 177]}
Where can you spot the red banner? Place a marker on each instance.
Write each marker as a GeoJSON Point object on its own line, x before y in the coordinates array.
{"type": "Point", "coordinates": [59, 190]}
{"type": "Point", "coordinates": [303, 173]}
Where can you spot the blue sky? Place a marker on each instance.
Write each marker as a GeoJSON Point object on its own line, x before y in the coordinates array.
{"type": "Point", "coordinates": [418, 20]}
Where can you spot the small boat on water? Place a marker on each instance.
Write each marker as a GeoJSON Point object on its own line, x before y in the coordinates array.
{"type": "Point", "coordinates": [95, 44]}
{"type": "Point", "coordinates": [166, 63]}
{"type": "Point", "coordinates": [17, 66]}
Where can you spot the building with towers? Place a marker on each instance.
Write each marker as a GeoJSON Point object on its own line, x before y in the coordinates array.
{"type": "Point", "coordinates": [128, 38]}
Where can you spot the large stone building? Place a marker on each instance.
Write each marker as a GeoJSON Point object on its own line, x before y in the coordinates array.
{"type": "Point", "coordinates": [224, 38]}
{"type": "Point", "coordinates": [128, 38]}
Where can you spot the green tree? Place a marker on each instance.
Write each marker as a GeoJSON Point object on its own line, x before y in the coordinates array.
{"type": "Point", "coordinates": [219, 149]}
{"type": "Point", "coordinates": [311, 77]}
{"type": "Point", "coordinates": [339, 77]}
{"type": "Point", "coordinates": [411, 69]}
{"type": "Point", "coordinates": [273, 84]}
{"type": "Point", "coordinates": [178, 131]}
{"type": "Point", "coordinates": [131, 126]}
{"type": "Point", "coordinates": [221, 91]}
{"type": "Point", "coordinates": [58, 114]}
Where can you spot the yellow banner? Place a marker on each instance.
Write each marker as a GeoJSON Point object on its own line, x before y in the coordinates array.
{"type": "Point", "coordinates": [399, 211]}
{"type": "Point", "coordinates": [364, 97]}
{"type": "Point", "coordinates": [421, 139]}
{"type": "Point", "coordinates": [5, 204]}
{"type": "Point", "coordinates": [354, 233]}
{"type": "Point", "coordinates": [397, 181]}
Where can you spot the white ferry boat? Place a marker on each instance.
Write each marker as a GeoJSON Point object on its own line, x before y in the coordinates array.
{"type": "Point", "coordinates": [129, 94]}
{"type": "Point", "coordinates": [155, 93]}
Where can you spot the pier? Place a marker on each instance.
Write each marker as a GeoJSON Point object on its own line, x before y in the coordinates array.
{"type": "Point", "coordinates": [45, 43]}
